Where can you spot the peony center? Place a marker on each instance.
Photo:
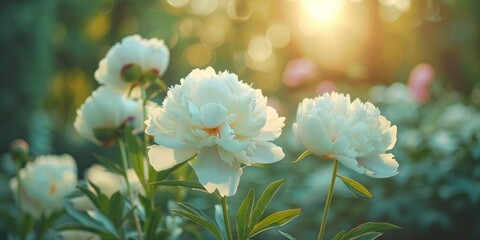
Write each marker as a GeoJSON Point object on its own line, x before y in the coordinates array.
{"type": "Point", "coordinates": [212, 131]}
{"type": "Point", "coordinates": [53, 189]}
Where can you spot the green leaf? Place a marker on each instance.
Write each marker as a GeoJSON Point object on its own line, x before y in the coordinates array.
{"type": "Point", "coordinates": [179, 183]}
{"type": "Point", "coordinates": [200, 221]}
{"type": "Point", "coordinates": [244, 215]}
{"type": "Point", "coordinates": [135, 152]}
{"type": "Point", "coordinates": [355, 187]}
{"type": "Point", "coordinates": [100, 203]}
{"type": "Point", "coordinates": [369, 227]}
{"type": "Point", "coordinates": [198, 216]}
{"type": "Point", "coordinates": [162, 175]}
{"type": "Point", "coordinates": [151, 224]}
{"type": "Point", "coordinates": [275, 220]}
{"type": "Point", "coordinates": [263, 202]}
{"type": "Point", "coordinates": [109, 164]}
{"type": "Point", "coordinates": [302, 156]}
{"type": "Point", "coordinates": [339, 235]}
{"type": "Point", "coordinates": [73, 226]}
{"type": "Point", "coordinates": [88, 222]}
{"type": "Point", "coordinates": [286, 235]}
{"type": "Point", "coordinates": [116, 207]}
{"type": "Point", "coordinates": [368, 236]}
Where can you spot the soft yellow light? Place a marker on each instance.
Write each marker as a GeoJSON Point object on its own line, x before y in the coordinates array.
{"type": "Point", "coordinates": [323, 12]}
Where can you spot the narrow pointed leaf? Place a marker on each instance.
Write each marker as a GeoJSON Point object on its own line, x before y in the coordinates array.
{"type": "Point", "coordinates": [116, 209]}
{"type": "Point", "coordinates": [162, 175]}
{"type": "Point", "coordinates": [339, 235]}
{"type": "Point", "coordinates": [275, 220]}
{"type": "Point", "coordinates": [200, 221]}
{"type": "Point", "coordinates": [368, 236]}
{"type": "Point", "coordinates": [368, 227]}
{"type": "Point", "coordinates": [244, 215]}
{"type": "Point", "coordinates": [135, 152]}
{"type": "Point", "coordinates": [151, 224]}
{"type": "Point", "coordinates": [356, 187]}
{"type": "Point", "coordinates": [179, 183]}
{"type": "Point", "coordinates": [74, 226]}
{"type": "Point", "coordinates": [86, 220]}
{"type": "Point", "coordinates": [302, 156]}
{"type": "Point", "coordinates": [287, 236]}
{"type": "Point", "coordinates": [263, 202]}
{"type": "Point", "coordinates": [110, 165]}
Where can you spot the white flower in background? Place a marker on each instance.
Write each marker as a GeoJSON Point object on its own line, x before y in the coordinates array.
{"type": "Point", "coordinates": [104, 113]}
{"type": "Point", "coordinates": [45, 183]}
{"type": "Point", "coordinates": [354, 133]}
{"type": "Point", "coordinates": [222, 120]}
{"type": "Point", "coordinates": [109, 183]}
{"type": "Point", "coordinates": [400, 104]}
{"type": "Point", "coordinates": [133, 59]}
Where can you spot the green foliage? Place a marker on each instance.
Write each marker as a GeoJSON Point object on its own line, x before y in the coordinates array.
{"type": "Point", "coordinates": [180, 183]}
{"type": "Point", "coordinates": [198, 216]}
{"type": "Point", "coordinates": [244, 214]}
{"type": "Point", "coordinates": [305, 154]}
{"type": "Point", "coordinates": [249, 213]}
{"type": "Point", "coordinates": [355, 187]}
{"type": "Point", "coordinates": [369, 230]}
{"type": "Point", "coordinates": [275, 220]}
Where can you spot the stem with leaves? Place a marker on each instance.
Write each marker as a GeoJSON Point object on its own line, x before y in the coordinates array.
{"type": "Point", "coordinates": [329, 200]}
{"type": "Point", "coordinates": [129, 189]}
{"type": "Point", "coordinates": [226, 219]}
{"type": "Point", "coordinates": [149, 190]}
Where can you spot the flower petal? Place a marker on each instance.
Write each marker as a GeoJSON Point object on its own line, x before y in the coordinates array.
{"type": "Point", "coordinates": [213, 173]}
{"type": "Point", "coordinates": [381, 166]}
{"type": "Point", "coordinates": [212, 114]}
{"type": "Point", "coordinates": [313, 135]}
{"type": "Point", "coordinates": [351, 163]}
{"type": "Point", "coordinates": [266, 152]}
{"type": "Point", "coordinates": [162, 158]}
{"type": "Point", "coordinates": [273, 126]}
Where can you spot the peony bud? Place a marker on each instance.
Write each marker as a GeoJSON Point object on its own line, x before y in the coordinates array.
{"type": "Point", "coordinates": [19, 149]}
{"type": "Point", "coordinates": [131, 73]}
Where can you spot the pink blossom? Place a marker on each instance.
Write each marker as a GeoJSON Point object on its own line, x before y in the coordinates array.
{"type": "Point", "coordinates": [325, 86]}
{"type": "Point", "coordinates": [419, 81]}
{"type": "Point", "coordinates": [299, 71]}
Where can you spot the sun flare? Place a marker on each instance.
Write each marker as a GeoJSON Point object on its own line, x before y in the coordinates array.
{"type": "Point", "coordinates": [323, 12]}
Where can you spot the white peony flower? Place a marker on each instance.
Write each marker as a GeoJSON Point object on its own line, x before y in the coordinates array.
{"type": "Point", "coordinates": [45, 183]}
{"type": "Point", "coordinates": [354, 133]}
{"type": "Point", "coordinates": [136, 57]}
{"type": "Point", "coordinates": [222, 120]}
{"type": "Point", "coordinates": [105, 112]}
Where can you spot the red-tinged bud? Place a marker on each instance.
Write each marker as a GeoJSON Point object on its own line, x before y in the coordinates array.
{"type": "Point", "coordinates": [131, 73]}
{"type": "Point", "coordinates": [19, 149]}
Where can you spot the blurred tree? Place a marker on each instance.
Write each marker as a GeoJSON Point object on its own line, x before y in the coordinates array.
{"type": "Point", "coordinates": [25, 65]}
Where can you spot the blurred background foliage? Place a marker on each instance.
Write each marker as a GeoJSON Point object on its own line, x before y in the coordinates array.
{"type": "Point", "coordinates": [291, 49]}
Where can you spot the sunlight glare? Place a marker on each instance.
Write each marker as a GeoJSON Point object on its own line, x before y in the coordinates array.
{"type": "Point", "coordinates": [323, 12]}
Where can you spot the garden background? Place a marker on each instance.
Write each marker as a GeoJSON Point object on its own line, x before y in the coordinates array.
{"type": "Point", "coordinates": [291, 49]}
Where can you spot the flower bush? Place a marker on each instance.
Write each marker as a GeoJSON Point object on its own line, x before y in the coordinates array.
{"type": "Point", "coordinates": [211, 120]}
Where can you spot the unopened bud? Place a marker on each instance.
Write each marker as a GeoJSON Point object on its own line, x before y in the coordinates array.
{"type": "Point", "coordinates": [19, 149]}
{"type": "Point", "coordinates": [106, 136]}
{"type": "Point", "coordinates": [151, 75]}
{"type": "Point", "coordinates": [131, 73]}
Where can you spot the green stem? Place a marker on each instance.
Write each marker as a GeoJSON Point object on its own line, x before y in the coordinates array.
{"type": "Point", "coordinates": [226, 219]}
{"type": "Point", "coordinates": [149, 190]}
{"type": "Point", "coordinates": [129, 189]}
{"type": "Point", "coordinates": [329, 200]}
